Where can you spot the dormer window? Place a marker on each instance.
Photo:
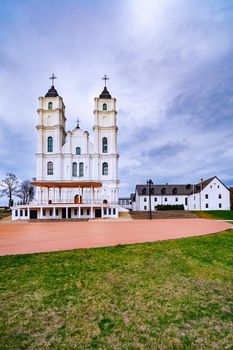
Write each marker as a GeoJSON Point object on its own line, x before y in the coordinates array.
{"type": "Point", "coordinates": [104, 106]}
{"type": "Point", "coordinates": [78, 151]}
{"type": "Point", "coordinates": [174, 191]}
{"type": "Point", "coordinates": [163, 191]}
{"type": "Point", "coordinates": [50, 105]}
{"type": "Point", "coordinates": [144, 191]}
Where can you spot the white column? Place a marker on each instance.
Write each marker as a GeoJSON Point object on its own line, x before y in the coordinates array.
{"type": "Point", "coordinates": [53, 194]}
{"type": "Point", "coordinates": [59, 194]}
{"type": "Point", "coordinates": [48, 194]}
{"type": "Point", "coordinates": [41, 213]}
{"type": "Point", "coordinates": [54, 212]}
{"type": "Point", "coordinates": [92, 212]}
{"type": "Point", "coordinates": [79, 212]}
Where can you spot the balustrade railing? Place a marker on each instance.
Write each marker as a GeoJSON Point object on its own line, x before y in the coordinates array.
{"type": "Point", "coordinates": [65, 201]}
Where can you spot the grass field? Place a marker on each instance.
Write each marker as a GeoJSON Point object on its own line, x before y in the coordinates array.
{"type": "Point", "coordinates": [4, 213]}
{"type": "Point", "coordinates": [167, 295]}
{"type": "Point", "coordinates": [215, 214]}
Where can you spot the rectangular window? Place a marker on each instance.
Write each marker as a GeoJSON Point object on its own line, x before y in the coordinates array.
{"type": "Point", "coordinates": [194, 198]}
{"type": "Point", "coordinates": [51, 212]}
{"type": "Point", "coordinates": [219, 196]}
{"type": "Point", "coordinates": [88, 211]}
{"type": "Point", "coordinates": [109, 211]}
{"type": "Point", "coordinates": [81, 211]}
{"type": "Point", "coordinates": [57, 212]}
{"type": "Point", "coordinates": [220, 205]}
{"type": "Point", "coordinates": [176, 199]}
{"type": "Point", "coordinates": [16, 212]}
{"type": "Point", "coordinates": [165, 199]}
{"type": "Point", "coordinates": [75, 212]}
{"type": "Point", "coordinates": [186, 200]}
{"type": "Point", "coordinates": [155, 199]}
{"type": "Point", "coordinates": [114, 211]}
{"type": "Point", "coordinates": [155, 207]}
{"type": "Point", "coordinates": [206, 196]}
{"type": "Point", "coordinates": [145, 199]}
{"type": "Point", "coordinates": [105, 211]}
{"type": "Point", "coordinates": [145, 207]}
{"type": "Point", "coordinates": [21, 212]}
{"type": "Point", "coordinates": [207, 205]}
{"type": "Point", "coordinates": [26, 212]}
{"type": "Point", "coordinates": [44, 212]}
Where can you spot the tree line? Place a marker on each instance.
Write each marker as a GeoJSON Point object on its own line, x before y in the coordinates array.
{"type": "Point", "coordinates": [10, 186]}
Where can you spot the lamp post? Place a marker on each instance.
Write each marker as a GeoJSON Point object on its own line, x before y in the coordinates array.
{"type": "Point", "coordinates": [150, 183]}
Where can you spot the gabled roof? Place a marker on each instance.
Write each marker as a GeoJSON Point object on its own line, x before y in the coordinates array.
{"type": "Point", "coordinates": [168, 189]}
{"type": "Point", "coordinates": [176, 189]}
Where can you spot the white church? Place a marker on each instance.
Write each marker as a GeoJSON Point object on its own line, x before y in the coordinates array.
{"type": "Point", "coordinates": [75, 178]}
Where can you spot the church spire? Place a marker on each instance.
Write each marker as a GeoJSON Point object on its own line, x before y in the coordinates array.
{"type": "Point", "coordinates": [105, 93]}
{"type": "Point", "coordinates": [52, 92]}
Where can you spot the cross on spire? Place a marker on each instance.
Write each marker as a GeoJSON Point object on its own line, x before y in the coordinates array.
{"type": "Point", "coordinates": [78, 121]}
{"type": "Point", "coordinates": [105, 78]}
{"type": "Point", "coordinates": [53, 78]}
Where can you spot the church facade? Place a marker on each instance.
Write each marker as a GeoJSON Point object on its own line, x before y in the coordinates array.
{"type": "Point", "coordinates": [75, 178]}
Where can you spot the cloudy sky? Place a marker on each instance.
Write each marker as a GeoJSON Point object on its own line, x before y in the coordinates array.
{"type": "Point", "coordinates": [171, 69]}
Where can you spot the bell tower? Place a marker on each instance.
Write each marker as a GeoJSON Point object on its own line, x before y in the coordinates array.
{"type": "Point", "coordinates": [51, 134]}
{"type": "Point", "coordinates": [105, 143]}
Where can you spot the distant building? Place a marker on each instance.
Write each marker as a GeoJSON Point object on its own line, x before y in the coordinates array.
{"type": "Point", "coordinates": [231, 195]}
{"type": "Point", "coordinates": [125, 202]}
{"type": "Point", "coordinates": [210, 194]}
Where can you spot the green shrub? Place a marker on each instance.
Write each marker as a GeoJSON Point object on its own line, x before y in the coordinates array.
{"type": "Point", "coordinates": [170, 207]}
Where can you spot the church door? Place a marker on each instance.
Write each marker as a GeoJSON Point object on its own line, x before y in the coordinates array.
{"type": "Point", "coordinates": [77, 199]}
{"type": "Point", "coordinates": [98, 213]}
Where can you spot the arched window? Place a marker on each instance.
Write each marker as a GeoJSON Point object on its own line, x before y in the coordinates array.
{"type": "Point", "coordinates": [50, 144]}
{"type": "Point", "coordinates": [105, 168]}
{"type": "Point", "coordinates": [104, 145]}
{"type": "Point", "coordinates": [78, 151]}
{"type": "Point", "coordinates": [74, 169]}
{"type": "Point", "coordinates": [174, 191]}
{"type": "Point", "coordinates": [50, 105]}
{"type": "Point", "coordinates": [104, 106]}
{"type": "Point", "coordinates": [163, 190]}
{"type": "Point", "coordinates": [144, 191]}
{"type": "Point", "coordinates": [81, 169]}
{"type": "Point", "coordinates": [50, 168]}
{"type": "Point", "coordinates": [152, 191]}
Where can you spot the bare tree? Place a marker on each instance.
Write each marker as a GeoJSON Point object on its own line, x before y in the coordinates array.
{"type": "Point", "coordinates": [26, 191]}
{"type": "Point", "coordinates": [8, 187]}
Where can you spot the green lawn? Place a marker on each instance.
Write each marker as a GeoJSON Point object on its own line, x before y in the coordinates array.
{"type": "Point", "coordinates": [165, 295]}
{"type": "Point", "coordinates": [4, 213]}
{"type": "Point", "coordinates": [215, 214]}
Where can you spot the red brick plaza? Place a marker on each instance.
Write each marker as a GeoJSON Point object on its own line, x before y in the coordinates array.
{"type": "Point", "coordinates": [23, 238]}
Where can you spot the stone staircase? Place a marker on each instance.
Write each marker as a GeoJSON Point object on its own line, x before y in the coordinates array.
{"type": "Point", "coordinates": [165, 214]}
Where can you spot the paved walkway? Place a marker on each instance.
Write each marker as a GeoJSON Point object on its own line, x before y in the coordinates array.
{"type": "Point", "coordinates": [21, 238]}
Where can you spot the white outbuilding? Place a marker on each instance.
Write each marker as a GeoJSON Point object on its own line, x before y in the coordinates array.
{"type": "Point", "coordinates": [210, 194]}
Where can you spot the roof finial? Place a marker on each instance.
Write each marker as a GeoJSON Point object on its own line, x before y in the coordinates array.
{"type": "Point", "coordinates": [78, 121]}
{"type": "Point", "coordinates": [105, 78]}
{"type": "Point", "coordinates": [53, 78]}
